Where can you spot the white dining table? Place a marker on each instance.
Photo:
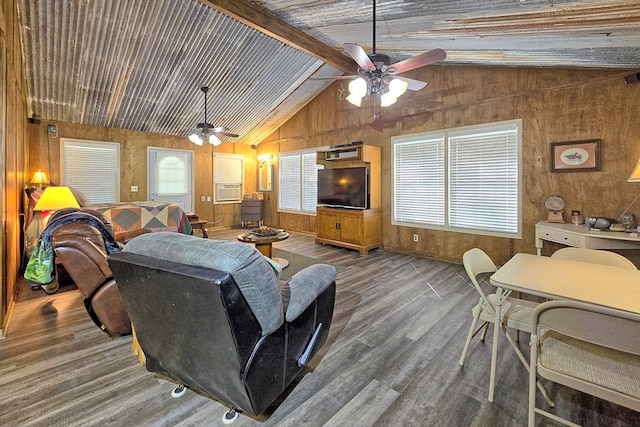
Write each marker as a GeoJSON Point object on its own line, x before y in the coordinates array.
{"type": "Point", "coordinates": [566, 279]}
{"type": "Point", "coordinates": [555, 278]}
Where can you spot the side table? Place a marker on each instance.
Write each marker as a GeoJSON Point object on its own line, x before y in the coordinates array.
{"type": "Point", "coordinates": [264, 244]}
{"type": "Point", "coordinates": [200, 223]}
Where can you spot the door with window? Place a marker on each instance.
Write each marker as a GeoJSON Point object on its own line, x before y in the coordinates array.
{"type": "Point", "coordinates": [170, 176]}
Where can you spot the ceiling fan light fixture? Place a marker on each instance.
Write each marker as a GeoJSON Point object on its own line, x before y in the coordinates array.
{"type": "Point", "coordinates": [397, 87]}
{"type": "Point", "coordinates": [387, 99]}
{"type": "Point", "coordinates": [358, 87]}
{"type": "Point", "coordinates": [196, 139]}
{"type": "Point", "coordinates": [355, 100]}
{"type": "Point", "coordinates": [214, 140]}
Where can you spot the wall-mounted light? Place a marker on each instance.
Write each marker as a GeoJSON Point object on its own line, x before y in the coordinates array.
{"type": "Point", "coordinates": [39, 178]}
{"type": "Point", "coordinates": [265, 158]}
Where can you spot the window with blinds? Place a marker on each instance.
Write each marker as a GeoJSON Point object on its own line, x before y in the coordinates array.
{"type": "Point", "coordinates": [92, 167]}
{"type": "Point", "coordinates": [464, 179]}
{"type": "Point", "coordinates": [298, 182]}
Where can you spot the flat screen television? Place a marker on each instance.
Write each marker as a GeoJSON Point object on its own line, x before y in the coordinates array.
{"type": "Point", "coordinates": [343, 187]}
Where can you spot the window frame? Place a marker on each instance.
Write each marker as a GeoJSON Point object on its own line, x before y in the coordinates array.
{"type": "Point", "coordinates": [447, 135]}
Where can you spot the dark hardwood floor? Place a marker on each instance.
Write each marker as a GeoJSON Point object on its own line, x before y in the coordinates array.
{"type": "Point", "coordinates": [391, 360]}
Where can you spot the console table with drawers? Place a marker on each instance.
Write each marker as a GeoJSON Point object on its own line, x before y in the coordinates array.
{"type": "Point", "coordinates": [580, 236]}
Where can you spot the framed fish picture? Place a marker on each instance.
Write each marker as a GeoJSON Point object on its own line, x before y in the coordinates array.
{"type": "Point", "coordinates": [576, 156]}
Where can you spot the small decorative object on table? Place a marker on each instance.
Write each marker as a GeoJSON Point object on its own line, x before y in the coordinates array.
{"type": "Point", "coordinates": [555, 205]}
{"type": "Point", "coordinates": [576, 218]}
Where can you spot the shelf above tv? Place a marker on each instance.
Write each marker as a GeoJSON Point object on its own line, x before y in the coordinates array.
{"type": "Point", "coordinates": [346, 153]}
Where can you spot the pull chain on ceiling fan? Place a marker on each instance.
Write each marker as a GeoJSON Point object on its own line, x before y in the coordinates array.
{"type": "Point", "coordinates": [377, 76]}
{"type": "Point", "coordinates": [208, 132]}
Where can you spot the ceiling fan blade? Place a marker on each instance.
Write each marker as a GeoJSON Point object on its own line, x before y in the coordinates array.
{"type": "Point", "coordinates": [230, 135]}
{"type": "Point", "coordinates": [333, 78]}
{"type": "Point", "coordinates": [224, 131]}
{"type": "Point", "coordinates": [413, 84]}
{"type": "Point", "coordinates": [359, 55]}
{"type": "Point", "coordinates": [418, 61]}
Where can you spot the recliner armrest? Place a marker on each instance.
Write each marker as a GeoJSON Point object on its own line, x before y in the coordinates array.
{"type": "Point", "coordinates": [305, 286]}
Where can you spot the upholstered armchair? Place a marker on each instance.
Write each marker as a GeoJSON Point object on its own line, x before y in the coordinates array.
{"type": "Point", "coordinates": [212, 316]}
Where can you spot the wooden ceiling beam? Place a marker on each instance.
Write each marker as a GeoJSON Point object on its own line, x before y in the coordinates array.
{"type": "Point", "coordinates": [259, 19]}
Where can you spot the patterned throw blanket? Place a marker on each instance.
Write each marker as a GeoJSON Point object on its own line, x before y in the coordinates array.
{"type": "Point", "coordinates": [40, 268]}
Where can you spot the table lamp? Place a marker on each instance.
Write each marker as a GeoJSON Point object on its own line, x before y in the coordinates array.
{"type": "Point", "coordinates": [54, 198]}
{"type": "Point", "coordinates": [635, 177]}
{"type": "Point", "coordinates": [39, 178]}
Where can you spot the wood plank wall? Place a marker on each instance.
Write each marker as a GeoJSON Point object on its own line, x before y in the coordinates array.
{"type": "Point", "coordinates": [554, 104]}
{"type": "Point", "coordinates": [13, 125]}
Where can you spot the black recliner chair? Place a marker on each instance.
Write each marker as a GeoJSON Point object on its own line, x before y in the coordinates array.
{"type": "Point", "coordinates": [211, 316]}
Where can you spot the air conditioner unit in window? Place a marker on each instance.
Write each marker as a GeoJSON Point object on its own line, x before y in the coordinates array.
{"type": "Point", "coordinates": [228, 193]}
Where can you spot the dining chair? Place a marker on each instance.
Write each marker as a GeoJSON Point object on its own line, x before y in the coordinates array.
{"type": "Point", "coordinates": [515, 313]}
{"type": "Point", "coordinates": [594, 256]}
{"type": "Point", "coordinates": [587, 347]}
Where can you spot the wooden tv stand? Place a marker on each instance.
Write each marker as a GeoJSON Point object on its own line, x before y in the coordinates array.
{"type": "Point", "coordinates": [359, 229]}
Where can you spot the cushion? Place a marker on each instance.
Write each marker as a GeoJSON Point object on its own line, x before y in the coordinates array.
{"type": "Point", "coordinates": [609, 368]}
{"type": "Point", "coordinates": [252, 273]}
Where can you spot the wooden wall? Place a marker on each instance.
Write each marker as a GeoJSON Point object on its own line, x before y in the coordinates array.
{"type": "Point", "coordinates": [44, 153]}
{"type": "Point", "coordinates": [13, 127]}
{"type": "Point", "coordinates": [554, 104]}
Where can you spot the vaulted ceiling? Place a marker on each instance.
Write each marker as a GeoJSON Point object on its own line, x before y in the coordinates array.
{"type": "Point", "coordinates": [139, 64]}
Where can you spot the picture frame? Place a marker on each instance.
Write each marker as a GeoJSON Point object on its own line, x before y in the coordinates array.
{"type": "Point", "coordinates": [576, 156]}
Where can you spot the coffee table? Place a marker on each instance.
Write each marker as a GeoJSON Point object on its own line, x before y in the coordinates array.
{"type": "Point", "coordinates": [264, 244]}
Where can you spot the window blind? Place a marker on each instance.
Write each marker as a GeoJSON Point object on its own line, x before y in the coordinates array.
{"type": "Point", "coordinates": [419, 181]}
{"type": "Point", "coordinates": [298, 181]}
{"type": "Point", "coordinates": [93, 168]}
{"type": "Point", "coordinates": [483, 180]}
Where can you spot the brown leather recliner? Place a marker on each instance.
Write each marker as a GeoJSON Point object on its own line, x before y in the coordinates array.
{"type": "Point", "coordinates": [81, 249]}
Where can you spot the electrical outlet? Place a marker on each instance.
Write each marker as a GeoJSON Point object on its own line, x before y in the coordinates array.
{"type": "Point", "coordinates": [415, 237]}
{"type": "Point", "coordinates": [134, 188]}
{"type": "Point", "coordinates": [202, 199]}
{"type": "Point", "coordinates": [208, 198]}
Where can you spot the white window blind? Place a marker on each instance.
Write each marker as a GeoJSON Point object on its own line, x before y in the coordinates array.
{"type": "Point", "coordinates": [93, 168]}
{"type": "Point", "coordinates": [298, 182]}
{"type": "Point", "coordinates": [483, 179]}
{"type": "Point", "coordinates": [463, 179]}
{"type": "Point", "coordinates": [419, 181]}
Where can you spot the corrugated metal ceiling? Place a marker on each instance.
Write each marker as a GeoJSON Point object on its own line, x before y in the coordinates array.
{"type": "Point", "coordinates": [139, 64]}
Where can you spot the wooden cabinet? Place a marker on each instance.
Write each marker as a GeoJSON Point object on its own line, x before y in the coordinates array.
{"type": "Point", "coordinates": [353, 228]}
{"type": "Point", "coordinates": [349, 228]}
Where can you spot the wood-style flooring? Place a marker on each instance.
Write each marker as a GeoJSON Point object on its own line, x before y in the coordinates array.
{"type": "Point", "coordinates": [391, 360]}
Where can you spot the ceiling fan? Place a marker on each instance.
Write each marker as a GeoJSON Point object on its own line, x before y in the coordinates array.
{"type": "Point", "coordinates": [377, 76]}
{"type": "Point", "coordinates": [208, 132]}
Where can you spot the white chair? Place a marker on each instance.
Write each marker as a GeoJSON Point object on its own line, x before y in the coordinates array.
{"type": "Point", "coordinates": [594, 256]}
{"type": "Point", "coordinates": [515, 313]}
{"type": "Point", "coordinates": [587, 347]}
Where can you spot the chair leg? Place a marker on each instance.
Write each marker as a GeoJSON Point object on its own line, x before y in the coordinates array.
{"type": "Point", "coordinates": [526, 366]}
{"type": "Point", "coordinates": [484, 331]}
{"type": "Point", "coordinates": [474, 322]}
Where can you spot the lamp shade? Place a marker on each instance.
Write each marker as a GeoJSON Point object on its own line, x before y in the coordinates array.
{"type": "Point", "coordinates": [39, 178]}
{"type": "Point", "coordinates": [635, 175]}
{"type": "Point", "coordinates": [54, 198]}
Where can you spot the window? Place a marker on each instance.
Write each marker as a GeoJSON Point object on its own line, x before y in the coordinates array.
{"type": "Point", "coordinates": [93, 168]}
{"type": "Point", "coordinates": [298, 182]}
{"type": "Point", "coordinates": [464, 179]}
{"type": "Point", "coordinates": [228, 177]}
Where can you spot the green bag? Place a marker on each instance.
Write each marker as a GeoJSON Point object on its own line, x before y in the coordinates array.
{"type": "Point", "coordinates": [40, 266]}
